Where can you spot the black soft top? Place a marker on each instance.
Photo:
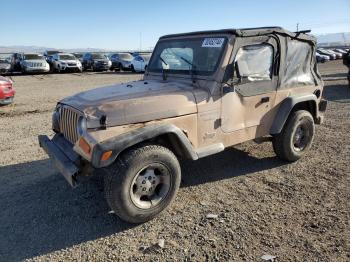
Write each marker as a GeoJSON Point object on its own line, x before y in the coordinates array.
{"type": "Point", "coordinates": [245, 32]}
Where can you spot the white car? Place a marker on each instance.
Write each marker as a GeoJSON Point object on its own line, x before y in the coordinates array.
{"type": "Point", "coordinates": [34, 63]}
{"type": "Point", "coordinates": [140, 63]}
{"type": "Point", "coordinates": [64, 62]}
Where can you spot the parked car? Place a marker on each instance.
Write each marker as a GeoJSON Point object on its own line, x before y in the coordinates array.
{"type": "Point", "coordinates": [5, 62]}
{"type": "Point", "coordinates": [323, 51]}
{"type": "Point", "coordinates": [235, 85]}
{"type": "Point", "coordinates": [322, 58]}
{"type": "Point", "coordinates": [121, 61]}
{"type": "Point", "coordinates": [34, 63]}
{"type": "Point", "coordinates": [140, 63]}
{"type": "Point", "coordinates": [339, 50]}
{"type": "Point", "coordinates": [64, 62]}
{"type": "Point", "coordinates": [96, 62]}
{"type": "Point", "coordinates": [337, 55]}
{"type": "Point", "coordinates": [7, 92]}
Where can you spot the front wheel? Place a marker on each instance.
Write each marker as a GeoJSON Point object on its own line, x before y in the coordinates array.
{"type": "Point", "coordinates": [142, 182]}
{"type": "Point", "coordinates": [296, 136]}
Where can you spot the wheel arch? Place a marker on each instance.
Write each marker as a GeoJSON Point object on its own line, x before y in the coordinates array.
{"type": "Point", "coordinates": [291, 104]}
{"type": "Point", "coordinates": [169, 136]}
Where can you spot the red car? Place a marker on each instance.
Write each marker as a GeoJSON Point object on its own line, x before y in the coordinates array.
{"type": "Point", "coordinates": [7, 92]}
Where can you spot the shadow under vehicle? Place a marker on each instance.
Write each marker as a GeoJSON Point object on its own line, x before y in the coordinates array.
{"type": "Point", "coordinates": [202, 92]}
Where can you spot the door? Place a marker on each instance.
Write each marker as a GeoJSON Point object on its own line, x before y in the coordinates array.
{"type": "Point", "coordinates": [247, 101]}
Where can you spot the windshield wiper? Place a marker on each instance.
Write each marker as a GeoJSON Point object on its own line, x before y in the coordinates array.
{"type": "Point", "coordinates": [192, 70]}
{"type": "Point", "coordinates": [163, 71]}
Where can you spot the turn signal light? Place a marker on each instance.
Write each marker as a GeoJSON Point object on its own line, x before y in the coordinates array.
{"type": "Point", "coordinates": [84, 146]}
{"type": "Point", "coordinates": [106, 155]}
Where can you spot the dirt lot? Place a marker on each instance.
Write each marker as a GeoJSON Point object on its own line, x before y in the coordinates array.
{"type": "Point", "coordinates": [296, 212]}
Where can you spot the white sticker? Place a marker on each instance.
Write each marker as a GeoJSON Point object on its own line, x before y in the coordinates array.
{"type": "Point", "coordinates": [213, 42]}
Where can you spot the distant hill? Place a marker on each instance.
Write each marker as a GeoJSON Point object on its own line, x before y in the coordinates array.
{"type": "Point", "coordinates": [323, 40]}
{"type": "Point", "coordinates": [41, 49]}
{"type": "Point", "coordinates": [334, 39]}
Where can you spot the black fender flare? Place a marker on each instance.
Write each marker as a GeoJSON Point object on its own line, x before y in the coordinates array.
{"type": "Point", "coordinates": [286, 107]}
{"type": "Point", "coordinates": [120, 143]}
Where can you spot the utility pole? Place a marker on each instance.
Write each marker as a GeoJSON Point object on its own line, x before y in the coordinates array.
{"type": "Point", "coordinates": [297, 27]}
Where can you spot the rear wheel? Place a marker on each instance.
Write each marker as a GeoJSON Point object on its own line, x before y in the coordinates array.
{"type": "Point", "coordinates": [142, 182]}
{"type": "Point", "coordinates": [296, 136]}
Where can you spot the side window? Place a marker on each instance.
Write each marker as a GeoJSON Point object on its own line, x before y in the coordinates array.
{"type": "Point", "coordinates": [298, 65]}
{"type": "Point", "coordinates": [254, 63]}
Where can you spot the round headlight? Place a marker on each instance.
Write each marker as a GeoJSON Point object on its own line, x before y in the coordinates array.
{"type": "Point", "coordinates": [81, 126]}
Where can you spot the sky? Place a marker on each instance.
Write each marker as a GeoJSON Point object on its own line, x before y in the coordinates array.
{"type": "Point", "coordinates": [122, 25]}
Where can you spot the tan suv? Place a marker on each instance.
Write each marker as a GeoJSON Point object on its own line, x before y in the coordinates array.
{"type": "Point", "coordinates": [202, 92]}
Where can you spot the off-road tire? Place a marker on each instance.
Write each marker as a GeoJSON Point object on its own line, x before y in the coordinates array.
{"type": "Point", "coordinates": [119, 177]}
{"type": "Point", "coordinates": [283, 144]}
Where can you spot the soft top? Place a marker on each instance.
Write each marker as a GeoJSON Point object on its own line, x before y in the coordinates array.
{"type": "Point", "coordinates": [245, 32]}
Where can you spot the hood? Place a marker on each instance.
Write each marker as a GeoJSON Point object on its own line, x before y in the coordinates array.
{"type": "Point", "coordinates": [69, 61]}
{"type": "Point", "coordinates": [5, 65]}
{"type": "Point", "coordinates": [101, 60]}
{"type": "Point", "coordinates": [134, 102]}
{"type": "Point", "coordinates": [35, 61]}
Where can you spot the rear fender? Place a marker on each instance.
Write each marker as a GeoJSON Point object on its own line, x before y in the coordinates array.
{"type": "Point", "coordinates": [286, 108]}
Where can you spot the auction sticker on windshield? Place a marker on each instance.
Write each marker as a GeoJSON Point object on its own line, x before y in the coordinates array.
{"type": "Point", "coordinates": [213, 42]}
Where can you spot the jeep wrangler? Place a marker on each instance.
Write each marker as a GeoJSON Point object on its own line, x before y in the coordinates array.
{"type": "Point", "coordinates": [202, 92]}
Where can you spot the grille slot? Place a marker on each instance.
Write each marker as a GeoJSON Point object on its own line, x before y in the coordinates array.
{"type": "Point", "coordinates": [68, 123]}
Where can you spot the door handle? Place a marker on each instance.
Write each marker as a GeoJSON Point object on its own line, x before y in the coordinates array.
{"type": "Point", "coordinates": [265, 99]}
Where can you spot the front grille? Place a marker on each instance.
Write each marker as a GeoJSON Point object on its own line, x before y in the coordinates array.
{"type": "Point", "coordinates": [72, 64]}
{"type": "Point", "coordinates": [68, 123]}
{"type": "Point", "coordinates": [35, 64]}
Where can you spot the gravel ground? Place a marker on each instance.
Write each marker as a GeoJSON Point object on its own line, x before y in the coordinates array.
{"type": "Point", "coordinates": [260, 205]}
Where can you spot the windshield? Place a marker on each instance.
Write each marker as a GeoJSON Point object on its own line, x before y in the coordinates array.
{"type": "Point", "coordinates": [98, 56]}
{"type": "Point", "coordinates": [66, 57]}
{"type": "Point", "coordinates": [33, 57]}
{"type": "Point", "coordinates": [78, 55]}
{"type": "Point", "coordinates": [52, 52]}
{"type": "Point", "coordinates": [199, 55]}
{"type": "Point", "coordinates": [5, 58]}
{"type": "Point", "coordinates": [126, 56]}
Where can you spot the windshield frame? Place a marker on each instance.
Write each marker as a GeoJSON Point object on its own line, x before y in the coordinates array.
{"type": "Point", "coordinates": [193, 71]}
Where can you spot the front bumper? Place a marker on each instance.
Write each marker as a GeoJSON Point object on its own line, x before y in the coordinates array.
{"type": "Point", "coordinates": [71, 68]}
{"type": "Point", "coordinates": [6, 100]}
{"type": "Point", "coordinates": [64, 158]}
{"type": "Point", "coordinates": [36, 69]}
